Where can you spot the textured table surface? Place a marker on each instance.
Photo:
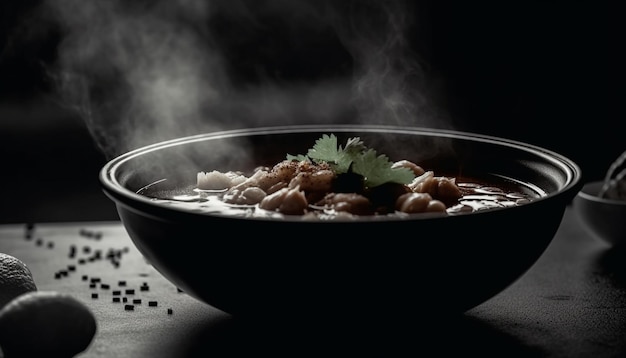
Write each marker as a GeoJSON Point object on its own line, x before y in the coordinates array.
{"type": "Point", "coordinates": [571, 303]}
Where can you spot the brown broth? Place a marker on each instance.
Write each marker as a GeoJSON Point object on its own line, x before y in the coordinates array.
{"type": "Point", "coordinates": [477, 195]}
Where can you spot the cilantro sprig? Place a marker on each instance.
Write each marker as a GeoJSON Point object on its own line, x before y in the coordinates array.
{"type": "Point", "coordinates": [354, 156]}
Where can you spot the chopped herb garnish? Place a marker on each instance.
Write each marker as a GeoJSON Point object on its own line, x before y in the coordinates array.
{"type": "Point", "coordinates": [357, 158]}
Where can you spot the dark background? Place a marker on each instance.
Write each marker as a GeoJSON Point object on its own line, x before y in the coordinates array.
{"type": "Point", "coordinates": [535, 71]}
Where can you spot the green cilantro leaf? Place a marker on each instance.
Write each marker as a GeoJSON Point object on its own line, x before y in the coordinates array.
{"type": "Point", "coordinates": [375, 169]}
{"type": "Point", "coordinates": [326, 150]}
{"type": "Point", "coordinates": [354, 147]}
{"type": "Point", "coordinates": [298, 157]}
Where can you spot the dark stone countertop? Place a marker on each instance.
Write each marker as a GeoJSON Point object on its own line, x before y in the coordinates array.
{"type": "Point", "coordinates": [571, 303]}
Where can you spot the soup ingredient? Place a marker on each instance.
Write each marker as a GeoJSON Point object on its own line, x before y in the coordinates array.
{"type": "Point", "coordinates": [45, 324]}
{"type": "Point", "coordinates": [355, 157]}
{"type": "Point", "coordinates": [443, 188]}
{"type": "Point", "coordinates": [287, 201]}
{"type": "Point", "coordinates": [615, 180]}
{"type": "Point", "coordinates": [418, 203]}
{"type": "Point", "coordinates": [342, 182]}
{"type": "Point", "coordinates": [332, 179]}
{"type": "Point", "coordinates": [15, 278]}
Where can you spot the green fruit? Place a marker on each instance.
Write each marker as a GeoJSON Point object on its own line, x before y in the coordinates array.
{"type": "Point", "coordinates": [15, 279]}
{"type": "Point", "coordinates": [45, 324]}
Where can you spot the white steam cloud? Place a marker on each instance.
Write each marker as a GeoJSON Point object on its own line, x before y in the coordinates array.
{"type": "Point", "coordinates": [145, 71]}
{"type": "Point", "coordinates": [390, 85]}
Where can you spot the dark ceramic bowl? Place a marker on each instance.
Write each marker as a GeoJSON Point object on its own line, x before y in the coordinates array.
{"type": "Point", "coordinates": [388, 267]}
{"type": "Point", "coordinates": [604, 219]}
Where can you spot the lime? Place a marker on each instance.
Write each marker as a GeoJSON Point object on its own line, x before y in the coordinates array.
{"type": "Point", "coordinates": [45, 324]}
{"type": "Point", "coordinates": [15, 278]}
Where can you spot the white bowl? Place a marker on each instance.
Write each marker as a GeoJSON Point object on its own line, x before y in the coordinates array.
{"type": "Point", "coordinates": [604, 219]}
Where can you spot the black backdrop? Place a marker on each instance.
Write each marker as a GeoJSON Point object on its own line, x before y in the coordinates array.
{"type": "Point", "coordinates": [535, 71]}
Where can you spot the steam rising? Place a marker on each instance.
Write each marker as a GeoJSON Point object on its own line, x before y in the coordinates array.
{"type": "Point", "coordinates": [389, 81]}
{"type": "Point", "coordinates": [137, 73]}
{"type": "Point", "coordinates": [144, 71]}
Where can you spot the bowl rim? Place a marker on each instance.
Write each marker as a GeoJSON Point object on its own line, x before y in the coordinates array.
{"type": "Point", "coordinates": [116, 191]}
{"type": "Point", "coordinates": [589, 192]}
